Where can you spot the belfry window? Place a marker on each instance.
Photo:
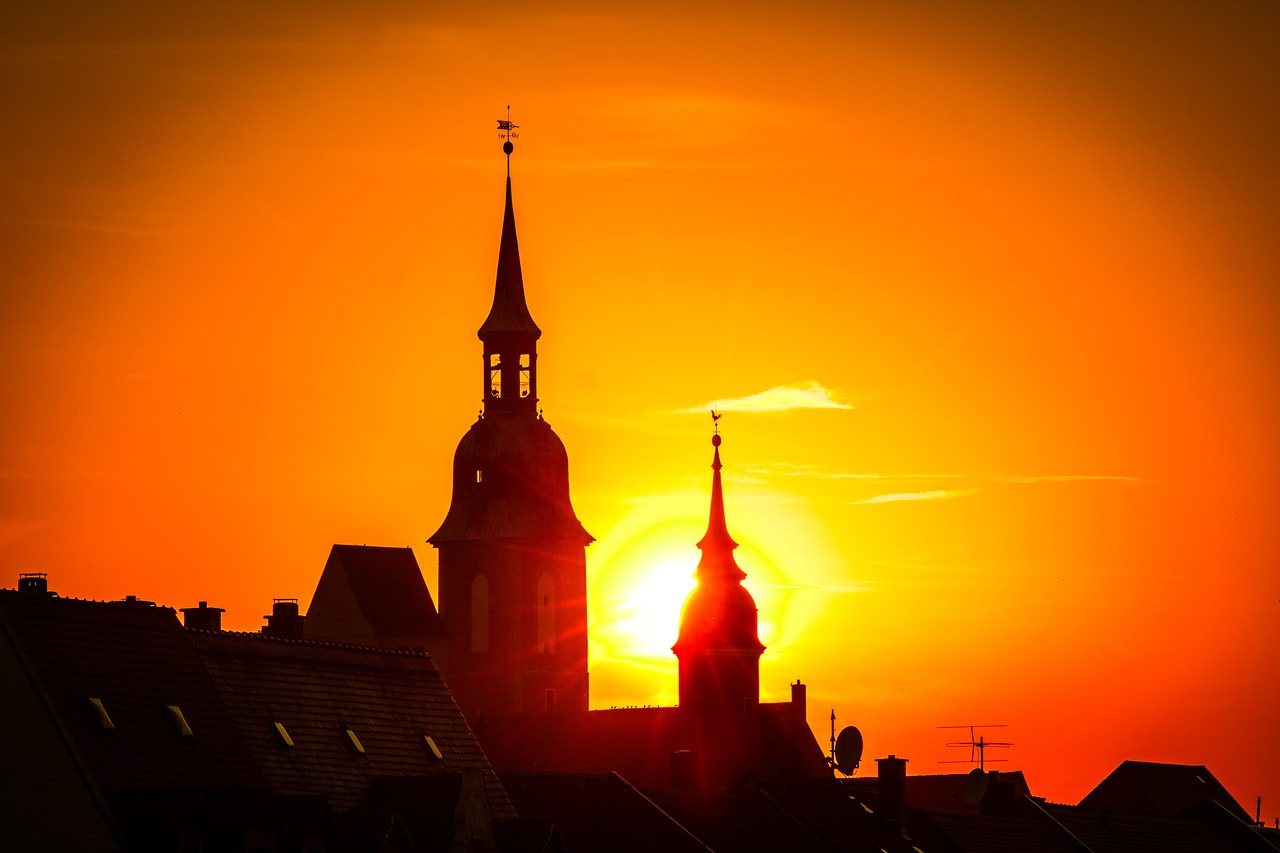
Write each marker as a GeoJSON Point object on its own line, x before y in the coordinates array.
{"type": "Point", "coordinates": [524, 375]}
{"type": "Point", "coordinates": [495, 375]}
{"type": "Point", "coordinates": [479, 615]}
{"type": "Point", "coordinates": [546, 592]}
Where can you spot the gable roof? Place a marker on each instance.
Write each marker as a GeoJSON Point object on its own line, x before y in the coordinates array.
{"type": "Point", "coordinates": [367, 588]}
{"type": "Point", "coordinates": [1143, 787]}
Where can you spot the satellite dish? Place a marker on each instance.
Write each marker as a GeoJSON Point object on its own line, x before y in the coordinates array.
{"type": "Point", "coordinates": [848, 750]}
{"type": "Point", "coordinates": [975, 786]}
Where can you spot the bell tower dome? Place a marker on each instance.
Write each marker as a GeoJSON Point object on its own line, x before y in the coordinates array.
{"type": "Point", "coordinates": [513, 572]}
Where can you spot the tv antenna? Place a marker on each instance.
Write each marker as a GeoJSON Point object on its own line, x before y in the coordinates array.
{"type": "Point", "coordinates": [977, 745]}
{"type": "Point", "coordinates": [846, 749]}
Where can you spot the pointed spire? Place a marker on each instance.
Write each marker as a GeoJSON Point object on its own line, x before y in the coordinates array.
{"type": "Point", "coordinates": [510, 312]}
{"type": "Point", "coordinates": [717, 545]}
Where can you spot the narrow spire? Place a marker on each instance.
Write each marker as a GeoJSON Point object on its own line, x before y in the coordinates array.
{"type": "Point", "coordinates": [717, 545]}
{"type": "Point", "coordinates": [510, 312]}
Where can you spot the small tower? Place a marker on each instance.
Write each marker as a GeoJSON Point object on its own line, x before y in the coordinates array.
{"type": "Point", "coordinates": [719, 652]}
{"type": "Point", "coordinates": [513, 578]}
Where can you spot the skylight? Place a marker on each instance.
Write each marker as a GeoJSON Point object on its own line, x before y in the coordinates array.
{"type": "Point", "coordinates": [179, 721]}
{"type": "Point", "coordinates": [355, 741]}
{"type": "Point", "coordinates": [284, 734]}
{"type": "Point", "coordinates": [100, 711]}
{"type": "Point", "coordinates": [435, 750]}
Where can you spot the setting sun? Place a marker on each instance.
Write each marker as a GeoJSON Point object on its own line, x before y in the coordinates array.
{"type": "Point", "coordinates": [986, 294]}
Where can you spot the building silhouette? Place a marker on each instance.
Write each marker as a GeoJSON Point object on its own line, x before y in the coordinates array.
{"type": "Point", "coordinates": [376, 722]}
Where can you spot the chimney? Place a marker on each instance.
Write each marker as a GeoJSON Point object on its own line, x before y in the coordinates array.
{"type": "Point", "coordinates": [284, 620]}
{"type": "Point", "coordinates": [34, 582]}
{"type": "Point", "coordinates": [1000, 795]}
{"type": "Point", "coordinates": [204, 617]}
{"type": "Point", "coordinates": [892, 789]}
{"type": "Point", "coordinates": [800, 700]}
{"type": "Point", "coordinates": [684, 771]}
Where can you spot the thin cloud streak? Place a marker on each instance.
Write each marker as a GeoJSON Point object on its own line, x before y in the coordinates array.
{"type": "Point", "coordinates": [934, 495]}
{"type": "Point", "coordinates": [780, 398]}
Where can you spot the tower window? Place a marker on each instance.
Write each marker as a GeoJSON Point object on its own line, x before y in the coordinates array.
{"type": "Point", "coordinates": [546, 614]}
{"type": "Point", "coordinates": [479, 475]}
{"type": "Point", "coordinates": [479, 615]}
{"type": "Point", "coordinates": [495, 375]}
{"type": "Point", "coordinates": [525, 386]}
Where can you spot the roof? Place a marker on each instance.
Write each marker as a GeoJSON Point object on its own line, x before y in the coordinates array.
{"type": "Point", "coordinates": [598, 812]}
{"type": "Point", "coordinates": [635, 742]}
{"type": "Point", "coordinates": [944, 792]}
{"type": "Point", "coordinates": [510, 312]}
{"type": "Point", "coordinates": [231, 691]}
{"type": "Point", "coordinates": [391, 699]}
{"type": "Point", "coordinates": [378, 587]}
{"type": "Point", "coordinates": [523, 490]}
{"type": "Point", "coordinates": [1143, 787]}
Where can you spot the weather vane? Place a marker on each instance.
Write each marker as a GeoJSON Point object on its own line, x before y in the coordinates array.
{"type": "Point", "coordinates": [715, 421]}
{"type": "Point", "coordinates": [507, 131]}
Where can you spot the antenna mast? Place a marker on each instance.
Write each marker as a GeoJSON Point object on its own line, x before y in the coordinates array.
{"type": "Point", "coordinates": [977, 745]}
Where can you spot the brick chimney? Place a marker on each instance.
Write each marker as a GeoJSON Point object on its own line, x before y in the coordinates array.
{"type": "Point", "coordinates": [284, 621]}
{"type": "Point", "coordinates": [800, 700]}
{"type": "Point", "coordinates": [204, 617]}
{"type": "Point", "coordinates": [892, 789]}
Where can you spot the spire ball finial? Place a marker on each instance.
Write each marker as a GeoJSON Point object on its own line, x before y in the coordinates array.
{"type": "Point", "coordinates": [507, 148]}
{"type": "Point", "coordinates": [715, 440]}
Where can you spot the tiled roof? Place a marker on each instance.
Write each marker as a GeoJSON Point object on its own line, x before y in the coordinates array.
{"type": "Point", "coordinates": [942, 792]}
{"type": "Point", "coordinates": [977, 834]}
{"type": "Point", "coordinates": [231, 690]}
{"type": "Point", "coordinates": [384, 584]}
{"type": "Point", "coordinates": [137, 660]}
{"type": "Point", "coordinates": [597, 812]}
{"type": "Point", "coordinates": [1110, 832]}
{"type": "Point", "coordinates": [828, 810]}
{"type": "Point", "coordinates": [391, 699]}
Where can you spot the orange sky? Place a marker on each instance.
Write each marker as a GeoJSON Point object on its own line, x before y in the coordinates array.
{"type": "Point", "coordinates": [1026, 260]}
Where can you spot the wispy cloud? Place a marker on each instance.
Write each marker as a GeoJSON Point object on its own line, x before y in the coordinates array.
{"type": "Point", "coordinates": [800, 395]}
{"type": "Point", "coordinates": [936, 494]}
{"type": "Point", "coordinates": [787, 469]}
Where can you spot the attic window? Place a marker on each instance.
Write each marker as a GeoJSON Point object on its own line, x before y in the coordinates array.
{"type": "Point", "coordinates": [100, 711]}
{"type": "Point", "coordinates": [284, 734]}
{"type": "Point", "coordinates": [431, 745]}
{"type": "Point", "coordinates": [179, 721]}
{"type": "Point", "coordinates": [355, 741]}
{"type": "Point", "coordinates": [479, 475]}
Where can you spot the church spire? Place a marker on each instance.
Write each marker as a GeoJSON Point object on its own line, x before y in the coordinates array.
{"type": "Point", "coordinates": [717, 545]}
{"type": "Point", "coordinates": [510, 336]}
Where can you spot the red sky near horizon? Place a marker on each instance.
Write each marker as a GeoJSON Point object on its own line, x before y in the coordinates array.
{"type": "Point", "coordinates": [989, 298]}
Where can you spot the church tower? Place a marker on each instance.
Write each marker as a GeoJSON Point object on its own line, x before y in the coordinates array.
{"type": "Point", "coordinates": [513, 592]}
{"type": "Point", "coordinates": [719, 652]}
